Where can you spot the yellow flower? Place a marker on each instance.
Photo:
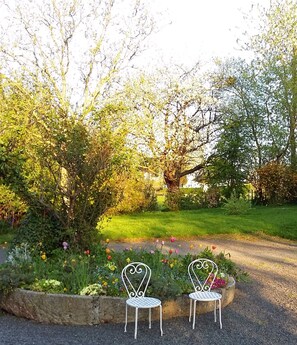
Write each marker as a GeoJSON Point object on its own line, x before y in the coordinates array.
{"type": "Point", "coordinates": [104, 284]}
{"type": "Point", "coordinates": [43, 256]}
{"type": "Point", "coordinates": [65, 289]}
{"type": "Point", "coordinates": [191, 246]}
{"type": "Point", "coordinates": [171, 265]}
{"type": "Point", "coordinates": [128, 260]}
{"type": "Point", "coordinates": [107, 240]}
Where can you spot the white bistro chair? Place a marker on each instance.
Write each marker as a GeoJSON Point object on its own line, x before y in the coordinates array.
{"type": "Point", "coordinates": [136, 277]}
{"type": "Point", "coordinates": [202, 273]}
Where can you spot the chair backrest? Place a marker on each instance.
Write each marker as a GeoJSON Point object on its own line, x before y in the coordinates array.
{"type": "Point", "coordinates": [202, 273]}
{"type": "Point", "coordinates": [136, 277]}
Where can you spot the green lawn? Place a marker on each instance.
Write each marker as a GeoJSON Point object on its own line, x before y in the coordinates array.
{"type": "Point", "coordinates": [275, 221]}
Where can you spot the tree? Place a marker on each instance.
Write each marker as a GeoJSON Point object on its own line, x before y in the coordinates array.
{"type": "Point", "coordinates": [61, 136]}
{"type": "Point", "coordinates": [175, 121]}
{"type": "Point", "coordinates": [242, 88]}
{"type": "Point", "coordinates": [75, 48]}
{"type": "Point", "coordinates": [229, 167]}
{"type": "Point", "coordinates": [275, 49]}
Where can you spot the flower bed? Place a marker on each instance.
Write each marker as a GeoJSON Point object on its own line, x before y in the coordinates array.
{"type": "Point", "coordinates": [65, 274]}
{"type": "Point", "coordinates": [92, 310]}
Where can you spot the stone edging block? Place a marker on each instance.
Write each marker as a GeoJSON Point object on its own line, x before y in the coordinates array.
{"type": "Point", "coordinates": [92, 310]}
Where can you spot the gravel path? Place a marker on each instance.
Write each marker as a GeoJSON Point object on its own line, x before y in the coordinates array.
{"type": "Point", "coordinates": [264, 310]}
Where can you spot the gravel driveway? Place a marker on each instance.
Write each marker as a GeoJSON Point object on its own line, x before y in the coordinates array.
{"type": "Point", "coordinates": [264, 310]}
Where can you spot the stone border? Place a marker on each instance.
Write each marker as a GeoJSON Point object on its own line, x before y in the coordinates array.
{"type": "Point", "coordinates": [93, 310]}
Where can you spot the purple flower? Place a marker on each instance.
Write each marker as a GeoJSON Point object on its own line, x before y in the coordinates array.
{"type": "Point", "coordinates": [65, 245]}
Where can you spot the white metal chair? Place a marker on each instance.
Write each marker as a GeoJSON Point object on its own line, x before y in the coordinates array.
{"type": "Point", "coordinates": [136, 277]}
{"type": "Point", "coordinates": [202, 273]}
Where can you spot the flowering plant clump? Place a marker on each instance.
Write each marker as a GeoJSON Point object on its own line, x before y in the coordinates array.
{"type": "Point", "coordinates": [96, 270]}
{"type": "Point", "coordinates": [47, 285]}
{"type": "Point", "coordinates": [93, 290]}
{"type": "Point", "coordinates": [20, 253]}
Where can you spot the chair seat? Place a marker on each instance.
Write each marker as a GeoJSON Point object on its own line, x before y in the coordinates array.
{"type": "Point", "coordinates": [205, 296]}
{"type": "Point", "coordinates": [143, 302]}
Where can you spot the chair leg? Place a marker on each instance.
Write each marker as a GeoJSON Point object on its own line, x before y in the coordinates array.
{"type": "Point", "coordinates": [194, 314]}
{"type": "Point", "coordinates": [220, 313]}
{"type": "Point", "coordinates": [215, 311]}
{"type": "Point", "coordinates": [136, 321]}
{"type": "Point", "coordinates": [161, 321]}
{"type": "Point", "coordinates": [126, 318]}
{"type": "Point", "coordinates": [150, 318]}
{"type": "Point", "coordinates": [190, 316]}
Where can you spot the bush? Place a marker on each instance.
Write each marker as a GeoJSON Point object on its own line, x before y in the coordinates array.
{"type": "Point", "coordinates": [236, 205]}
{"type": "Point", "coordinates": [35, 230]}
{"type": "Point", "coordinates": [137, 195]}
{"type": "Point", "coordinates": [275, 184]}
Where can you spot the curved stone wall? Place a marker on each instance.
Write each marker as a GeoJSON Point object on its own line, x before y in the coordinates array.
{"type": "Point", "coordinates": [91, 310]}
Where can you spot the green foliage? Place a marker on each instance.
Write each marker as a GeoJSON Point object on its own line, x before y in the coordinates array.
{"type": "Point", "coordinates": [36, 229]}
{"type": "Point", "coordinates": [12, 277]}
{"type": "Point", "coordinates": [196, 198]}
{"type": "Point", "coordinates": [172, 200]}
{"type": "Point", "coordinates": [229, 166]}
{"type": "Point", "coordinates": [236, 205]}
{"type": "Point", "coordinates": [47, 285]}
{"type": "Point", "coordinates": [92, 290]}
{"type": "Point", "coordinates": [275, 184]}
{"type": "Point", "coordinates": [136, 195]}
{"type": "Point", "coordinates": [12, 209]}
{"type": "Point", "coordinates": [192, 198]}
{"type": "Point", "coordinates": [97, 271]}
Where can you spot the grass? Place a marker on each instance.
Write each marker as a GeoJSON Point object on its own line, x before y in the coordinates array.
{"type": "Point", "coordinates": [273, 221]}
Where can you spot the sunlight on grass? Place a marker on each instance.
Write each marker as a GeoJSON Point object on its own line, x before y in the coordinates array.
{"type": "Point", "coordinates": [276, 221]}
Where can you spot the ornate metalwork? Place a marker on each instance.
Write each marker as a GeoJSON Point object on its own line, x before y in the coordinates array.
{"type": "Point", "coordinates": [136, 277]}
{"type": "Point", "coordinates": [203, 273]}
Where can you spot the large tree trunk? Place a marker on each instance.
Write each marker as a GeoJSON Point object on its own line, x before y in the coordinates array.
{"type": "Point", "coordinates": [172, 181]}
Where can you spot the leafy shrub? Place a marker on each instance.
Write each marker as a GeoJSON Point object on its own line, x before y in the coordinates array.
{"type": "Point", "coordinates": [136, 195]}
{"type": "Point", "coordinates": [236, 206]}
{"type": "Point", "coordinates": [192, 199]}
{"type": "Point", "coordinates": [35, 229]}
{"type": "Point", "coordinates": [275, 184]}
{"type": "Point", "coordinates": [12, 277]}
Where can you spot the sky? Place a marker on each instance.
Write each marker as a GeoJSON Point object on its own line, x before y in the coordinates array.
{"type": "Point", "coordinates": [193, 30]}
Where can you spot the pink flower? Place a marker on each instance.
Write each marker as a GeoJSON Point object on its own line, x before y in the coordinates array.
{"type": "Point", "coordinates": [176, 251]}
{"type": "Point", "coordinates": [172, 239]}
{"type": "Point", "coordinates": [162, 243]}
{"type": "Point", "coordinates": [65, 245]}
{"type": "Point", "coordinates": [152, 252]}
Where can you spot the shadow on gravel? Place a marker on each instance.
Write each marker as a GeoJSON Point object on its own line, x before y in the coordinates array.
{"type": "Point", "coordinates": [249, 320]}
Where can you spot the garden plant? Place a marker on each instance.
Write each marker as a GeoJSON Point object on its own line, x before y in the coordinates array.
{"type": "Point", "coordinates": [97, 269]}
